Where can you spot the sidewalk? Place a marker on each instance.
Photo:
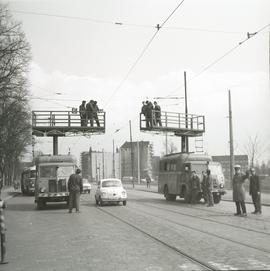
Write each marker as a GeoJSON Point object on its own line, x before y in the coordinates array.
{"type": "Point", "coordinates": [8, 192]}
{"type": "Point", "coordinates": [227, 197]}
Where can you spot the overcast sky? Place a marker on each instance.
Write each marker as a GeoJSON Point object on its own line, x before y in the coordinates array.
{"type": "Point", "coordinates": [88, 58]}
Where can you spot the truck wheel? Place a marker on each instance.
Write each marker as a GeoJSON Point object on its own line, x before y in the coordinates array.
{"type": "Point", "coordinates": [217, 198]}
{"type": "Point", "coordinates": [40, 204]}
{"type": "Point", "coordinates": [124, 202]}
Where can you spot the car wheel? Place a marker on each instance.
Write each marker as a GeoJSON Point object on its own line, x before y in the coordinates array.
{"type": "Point", "coordinates": [217, 198]}
{"type": "Point", "coordinates": [124, 202]}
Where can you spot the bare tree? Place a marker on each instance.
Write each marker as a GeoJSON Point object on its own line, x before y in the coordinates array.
{"type": "Point", "coordinates": [15, 132]}
{"type": "Point", "coordinates": [171, 146]}
{"type": "Point", "coordinates": [254, 149]}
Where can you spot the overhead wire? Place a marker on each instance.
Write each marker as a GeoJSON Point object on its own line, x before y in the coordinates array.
{"type": "Point", "coordinates": [249, 36]}
{"type": "Point", "coordinates": [158, 27]}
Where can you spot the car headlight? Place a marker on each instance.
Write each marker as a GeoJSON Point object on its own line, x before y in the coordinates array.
{"type": "Point", "coordinates": [221, 185]}
{"type": "Point", "coordinates": [103, 193]}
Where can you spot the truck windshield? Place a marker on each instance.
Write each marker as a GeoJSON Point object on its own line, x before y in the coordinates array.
{"type": "Point", "coordinates": [55, 171]}
{"type": "Point", "coordinates": [215, 169]}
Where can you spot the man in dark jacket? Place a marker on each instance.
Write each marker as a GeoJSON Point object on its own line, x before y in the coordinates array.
{"type": "Point", "coordinates": [239, 191]}
{"type": "Point", "coordinates": [90, 113]}
{"type": "Point", "coordinates": [157, 111]}
{"type": "Point", "coordinates": [75, 188]}
{"type": "Point", "coordinates": [82, 111]}
{"type": "Point", "coordinates": [195, 186]}
{"type": "Point", "coordinates": [209, 188]}
{"type": "Point", "coordinates": [255, 191]}
{"type": "Point", "coordinates": [95, 113]}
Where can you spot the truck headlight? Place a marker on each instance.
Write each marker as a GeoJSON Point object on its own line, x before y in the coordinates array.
{"type": "Point", "coordinates": [42, 190]}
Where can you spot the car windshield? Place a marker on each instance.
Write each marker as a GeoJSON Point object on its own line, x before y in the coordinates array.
{"type": "Point", "coordinates": [111, 183]}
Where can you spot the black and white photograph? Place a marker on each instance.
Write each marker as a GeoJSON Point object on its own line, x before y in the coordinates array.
{"type": "Point", "coordinates": [134, 135]}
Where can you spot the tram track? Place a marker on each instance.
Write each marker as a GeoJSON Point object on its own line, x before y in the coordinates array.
{"type": "Point", "coordinates": [192, 259]}
{"type": "Point", "coordinates": [208, 219]}
{"type": "Point", "coordinates": [201, 231]}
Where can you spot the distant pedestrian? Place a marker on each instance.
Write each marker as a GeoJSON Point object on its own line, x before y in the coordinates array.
{"type": "Point", "coordinates": [239, 191]}
{"type": "Point", "coordinates": [255, 191]}
{"type": "Point", "coordinates": [75, 188]}
{"type": "Point", "coordinates": [157, 111]}
{"type": "Point", "coordinates": [148, 180]}
{"type": "Point", "coordinates": [82, 110]}
{"type": "Point", "coordinates": [209, 188]}
{"type": "Point", "coordinates": [195, 186]}
{"type": "Point", "coordinates": [204, 189]}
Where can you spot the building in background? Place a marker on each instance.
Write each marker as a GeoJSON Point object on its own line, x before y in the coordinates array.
{"type": "Point", "coordinates": [224, 160]}
{"type": "Point", "coordinates": [142, 159]}
{"type": "Point", "coordinates": [98, 165]}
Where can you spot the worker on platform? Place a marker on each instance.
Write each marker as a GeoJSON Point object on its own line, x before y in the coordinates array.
{"type": "Point", "coordinates": [149, 114]}
{"type": "Point", "coordinates": [89, 113]}
{"type": "Point", "coordinates": [82, 110]}
{"type": "Point", "coordinates": [157, 110]}
{"type": "Point", "coordinates": [95, 113]}
{"type": "Point", "coordinates": [239, 191]}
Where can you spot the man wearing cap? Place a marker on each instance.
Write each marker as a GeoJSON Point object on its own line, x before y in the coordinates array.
{"type": "Point", "coordinates": [239, 191]}
{"type": "Point", "coordinates": [75, 188]}
{"type": "Point", "coordinates": [195, 186]}
{"type": "Point", "coordinates": [255, 191]}
{"type": "Point", "coordinates": [82, 111]}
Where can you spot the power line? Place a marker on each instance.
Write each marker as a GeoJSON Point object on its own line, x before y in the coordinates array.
{"type": "Point", "coordinates": [121, 23]}
{"type": "Point", "coordinates": [142, 53]}
{"type": "Point", "coordinates": [249, 36]}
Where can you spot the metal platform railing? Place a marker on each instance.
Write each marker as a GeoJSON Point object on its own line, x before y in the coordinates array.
{"type": "Point", "coordinates": [178, 123]}
{"type": "Point", "coordinates": [66, 121]}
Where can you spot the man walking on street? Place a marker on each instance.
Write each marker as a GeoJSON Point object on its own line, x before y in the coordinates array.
{"type": "Point", "coordinates": [209, 188]}
{"type": "Point", "coordinates": [239, 191]}
{"type": "Point", "coordinates": [255, 191]}
{"type": "Point", "coordinates": [75, 188]}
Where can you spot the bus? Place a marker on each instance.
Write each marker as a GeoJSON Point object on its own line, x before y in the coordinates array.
{"type": "Point", "coordinates": [28, 178]}
{"type": "Point", "coordinates": [173, 179]}
{"type": "Point", "coordinates": [53, 172]}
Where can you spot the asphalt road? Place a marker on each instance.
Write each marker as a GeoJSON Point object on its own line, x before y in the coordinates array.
{"type": "Point", "coordinates": [147, 234]}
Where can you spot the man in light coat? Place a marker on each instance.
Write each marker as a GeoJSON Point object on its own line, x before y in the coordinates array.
{"type": "Point", "coordinates": [75, 188]}
{"type": "Point", "coordinates": [209, 188]}
{"type": "Point", "coordinates": [239, 191]}
{"type": "Point", "coordinates": [255, 191]}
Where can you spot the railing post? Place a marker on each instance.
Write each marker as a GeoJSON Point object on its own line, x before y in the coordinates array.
{"type": "Point", "coordinates": [166, 119]}
{"type": "Point", "coordinates": [179, 120]}
{"type": "Point", "coordinates": [68, 118]}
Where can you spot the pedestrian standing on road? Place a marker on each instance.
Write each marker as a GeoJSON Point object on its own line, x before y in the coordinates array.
{"type": "Point", "coordinates": [157, 111]}
{"type": "Point", "coordinates": [195, 186]}
{"type": "Point", "coordinates": [209, 188]}
{"type": "Point", "coordinates": [82, 111]}
{"type": "Point", "coordinates": [204, 190]}
{"type": "Point", "coordinates": [75, 188]}
{"type": "Point", "coordinates": [255, 191]}
{"type": "Point", "coordinates": [239, 191]}
{"type": "Point", "coordinates": [148, 180]}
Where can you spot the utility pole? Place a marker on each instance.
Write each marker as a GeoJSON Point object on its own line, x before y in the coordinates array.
{"type": "Point", "coordinates": [113, 161]}
{"type": "Point", "coordinates": [231, 138]}
{"type": "Point", "coordinates": [131, 154]}
{"type": "Point", "coordinates": [184, 139]}
{"type": "Point", "coordinates": [90, 164]}
{"type": "Point", "coordinates": [139, 163]}
{"type": "Point", "coordinates": [103, 171]}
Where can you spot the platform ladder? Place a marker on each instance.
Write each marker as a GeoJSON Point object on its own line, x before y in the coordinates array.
{"type": "Point", "coordinates": [199, 144]}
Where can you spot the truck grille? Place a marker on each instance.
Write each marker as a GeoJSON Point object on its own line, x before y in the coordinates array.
{"type": "Point", "coordinates": [62, 186]}
{"type": "Point", "coordinates": [57, 186]}
{"type": "Point", "coordinates": [52, 186]}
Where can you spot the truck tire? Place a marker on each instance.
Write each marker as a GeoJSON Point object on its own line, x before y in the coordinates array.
{"type": "Point", "coordinates": [168, 197]}
{"type": "Point", "coordinates": [217, 198]}
{"type": "Point", "coordinates": [41, 204]}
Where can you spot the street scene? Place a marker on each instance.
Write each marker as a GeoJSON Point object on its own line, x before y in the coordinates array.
{"type": "Point", "coordinates": [134, 135]}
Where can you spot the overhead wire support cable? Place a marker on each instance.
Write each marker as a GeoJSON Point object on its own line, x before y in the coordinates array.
{"type": "Point", "coordinates": [158, 27]}
{"type": "Point", "coordinates": [249, 36]}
